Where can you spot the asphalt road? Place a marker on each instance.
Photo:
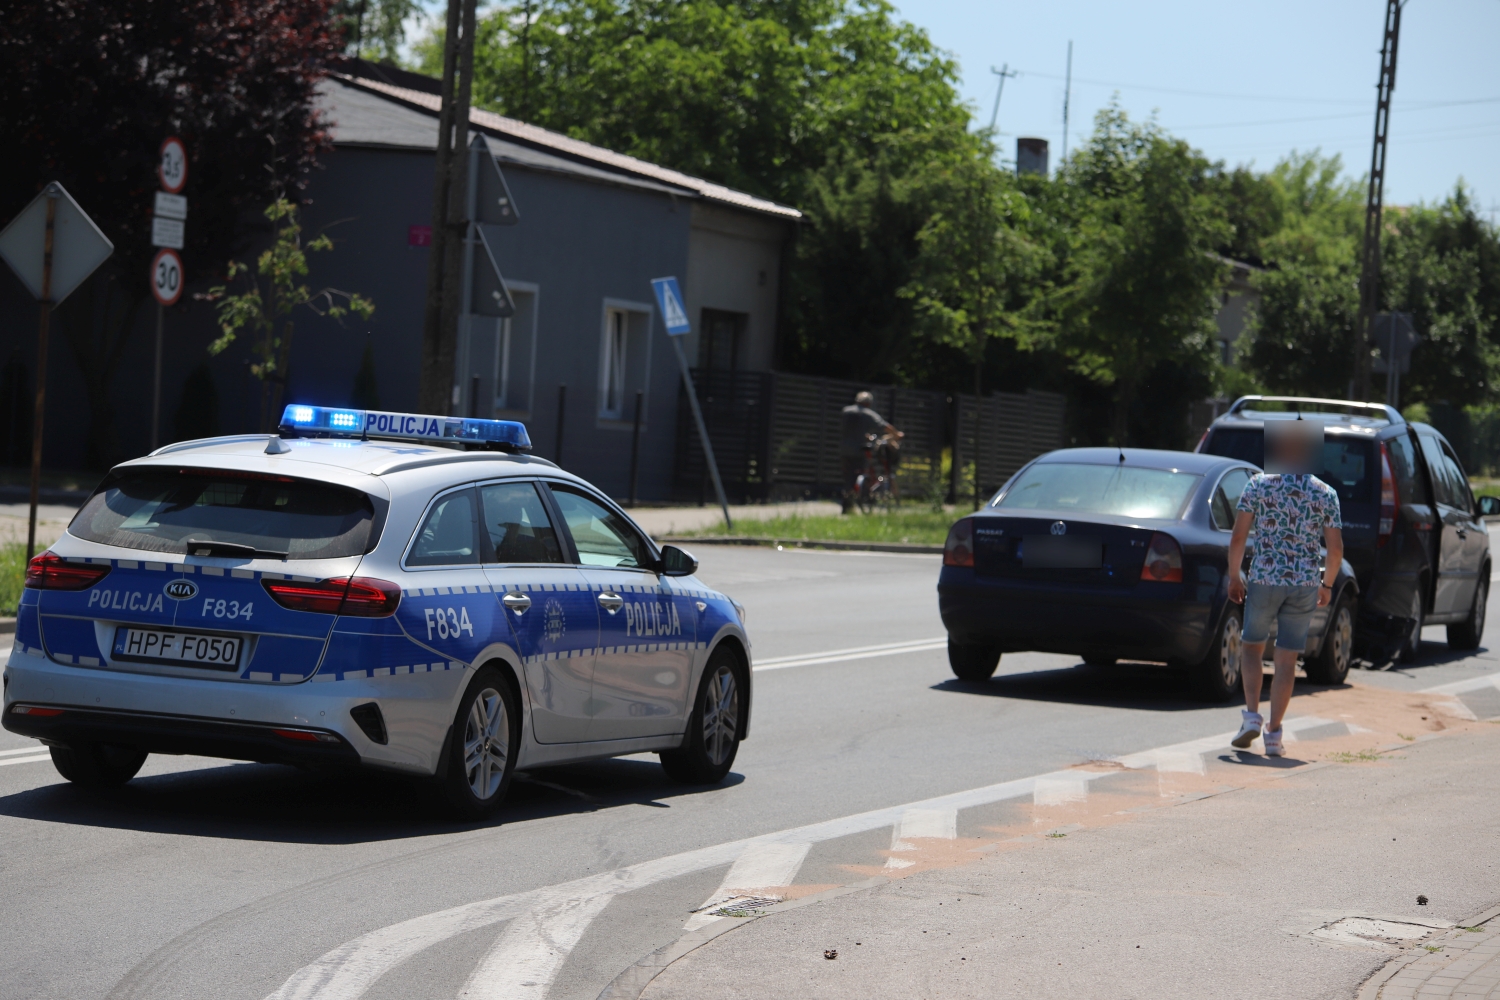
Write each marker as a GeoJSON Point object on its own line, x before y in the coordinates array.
{"type": "Point", "coordinates": [206, 878]}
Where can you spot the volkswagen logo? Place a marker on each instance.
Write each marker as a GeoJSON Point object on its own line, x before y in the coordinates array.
{"type": "Point", "coordinates": [1058, 528]}
{"type": "Point", "coordinates": [181, 590]}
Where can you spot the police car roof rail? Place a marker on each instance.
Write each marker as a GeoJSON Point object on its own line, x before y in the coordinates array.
{"type": "Point", "coordinates": [1315, 405]}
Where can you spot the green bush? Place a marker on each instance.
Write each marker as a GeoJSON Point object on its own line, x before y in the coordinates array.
{"type": "Point", "coordinates": [921, 527]}
{"type": "Point", "coordinates": [12, 576]}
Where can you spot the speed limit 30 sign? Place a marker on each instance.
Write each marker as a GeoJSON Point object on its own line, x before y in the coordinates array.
{"type": "Point", "coordinates": [166, 277]}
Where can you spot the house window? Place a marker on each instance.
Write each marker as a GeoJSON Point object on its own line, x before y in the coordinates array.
{"type": "Point", "coordinates": [616, 353]}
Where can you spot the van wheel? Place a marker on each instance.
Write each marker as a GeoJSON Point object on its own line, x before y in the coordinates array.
{"type": "Point", "coordinates": [1331, 665]}
{"type": "Point", "coordinates": [97, 765]}
{"type": "Point", "coordinates": [1216, 677]}
{"type": "Point", "coordinates": [482, 757]}
{"type": "Point", "coordinates": [1468, 633]}
{"type": "Point", "coordinates": [972, 661]}
{"type": "Point", "coordinates": [713, 737]}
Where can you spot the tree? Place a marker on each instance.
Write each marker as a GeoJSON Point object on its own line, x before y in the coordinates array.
{"type": "Point", "coordinates": [92, 89]}
{"type": "Point", "coordinates": [374, 29]}
{"type": "Point", "coordinates": [1302, 334]}
{"type": "Point", "coordinates": [272, 293]}
{"type": "Point", "coordinates": [1141, 277]}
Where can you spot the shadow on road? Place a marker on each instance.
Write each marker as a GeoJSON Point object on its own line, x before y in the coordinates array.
{"type": "Point", "coordinates": [270, 802]}
{"type": "Point", "coordinates": [1143, 686]}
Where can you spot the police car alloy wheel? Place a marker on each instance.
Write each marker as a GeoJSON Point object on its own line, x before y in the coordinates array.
{"type": "Point", "coordinates": [97, 765]}
{"type": "Point", "coordinates": [713, 736]}
{"type": "Point", "coordinates": [481, 760]}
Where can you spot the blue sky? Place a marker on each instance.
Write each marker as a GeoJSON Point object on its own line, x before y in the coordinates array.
{"type": "Point", "coordinates": [1245, 83]}
{"type": "Point", "coordinates": [1233, 79]}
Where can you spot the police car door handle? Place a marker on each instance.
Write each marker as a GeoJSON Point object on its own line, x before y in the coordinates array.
{"type": "Point", "coordinates": [611, 602]}
{"type": "Point", "coordinates": [516, 602]}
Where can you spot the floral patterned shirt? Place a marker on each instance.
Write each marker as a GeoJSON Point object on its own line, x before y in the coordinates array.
{"type": "Point", "coordinates": [1290, 514]}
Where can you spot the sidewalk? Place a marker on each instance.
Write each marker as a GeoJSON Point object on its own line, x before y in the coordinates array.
{"type": "Point", "coordinates": [660, 521]}
{"type": "Point", "coordinates": [1298, 880]}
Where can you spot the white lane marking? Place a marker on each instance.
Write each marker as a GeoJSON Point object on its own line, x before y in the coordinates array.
{"type": "Point", "coordinates": [1465, 686]}
{"type": "Point", "coordinates": [38, 748]}
{"type": "Point", "coordinates": [25, 760]}
{"type": "Point", "coordinates": [526, 959]}
{"type": "Point", "coordinates": [852, 653]}
{"type": "Point", "coordinates": [761, 866]}
{"type": "Point", "coordinates": [935, 824]}
{"type": "Point", "coordinates": [349, 970]}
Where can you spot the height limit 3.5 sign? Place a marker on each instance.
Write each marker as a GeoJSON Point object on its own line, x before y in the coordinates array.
{"type": "Point", "coordinates": [166, 277]}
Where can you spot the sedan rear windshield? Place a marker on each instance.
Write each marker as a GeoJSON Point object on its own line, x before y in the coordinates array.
{"type": "Point", "coordinates": [1101, 489]}
{"type": "Point", "coordinates": [161, 509]}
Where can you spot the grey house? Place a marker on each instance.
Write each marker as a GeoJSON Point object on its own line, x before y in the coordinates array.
{"type": "Point", "coordinates": [595, 227]}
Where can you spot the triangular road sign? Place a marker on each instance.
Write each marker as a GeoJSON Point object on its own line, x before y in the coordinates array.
{"type": "Point", "coordinates": [669, 297]}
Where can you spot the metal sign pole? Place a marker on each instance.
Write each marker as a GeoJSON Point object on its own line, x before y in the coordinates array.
{"type": "Point", "coordinates": [708, 448]}
{"type": "Point", "coordinates": [41, 370]}
{"type": "Point", "coordinates": [156, 384]}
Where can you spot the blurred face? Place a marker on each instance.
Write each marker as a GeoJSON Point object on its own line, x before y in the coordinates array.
{"type": "Point", "coordinates": [1294, 446]}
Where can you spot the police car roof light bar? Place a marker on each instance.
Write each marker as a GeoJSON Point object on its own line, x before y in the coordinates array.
{"type": "Point", "coordinates": [302, 420]}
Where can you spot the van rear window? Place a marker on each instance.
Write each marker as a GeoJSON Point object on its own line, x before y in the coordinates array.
{"type": "Point", "coordinates": [1349, 464]}
{"type": "Point", "coordinates": [159, 509]}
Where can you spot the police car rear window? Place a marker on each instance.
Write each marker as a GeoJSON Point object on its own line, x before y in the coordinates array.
{"type": "Point", "coordinates": [162, 509]}
{"type": "Point", "coordinates": [1101, 489]}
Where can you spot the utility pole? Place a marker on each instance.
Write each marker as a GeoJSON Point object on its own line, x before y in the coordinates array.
{"type": "Point", "coordinates": [1002, 73]}
{"type": "Point", "coordinates": [449, 222]}
{"type": "Point", "coordinates": [1067, 99]}
{"type": "Point", "coordinates": [1369, 271]}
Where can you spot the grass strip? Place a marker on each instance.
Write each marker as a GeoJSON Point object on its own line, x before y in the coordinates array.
{"type": "Point", "coordinates": [12, 576]}
{"type": "Point", "coordinates": [913, 527]}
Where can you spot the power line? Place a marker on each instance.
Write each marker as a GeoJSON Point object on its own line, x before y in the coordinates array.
{"type": "Point", "coordinates": [1197, 93]}
{"type": "Point", "coordinates": [1428, 106]}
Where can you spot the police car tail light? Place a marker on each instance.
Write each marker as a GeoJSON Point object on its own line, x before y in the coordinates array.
{"type": "Point", "coordinates": [1390, 497]}
{"type": "Point", "coordinates": [306, 735]}
{"type": "Point", "coordinates": [958, 550]}
{"type": "Point", "coordinates": [360, 596]}
{"type": "Point", "coordinates": [50, 571]}
{"type": "Point", "coordinates": [1163, 560]}
{"type": "Point", "coordinates": [36, 710]}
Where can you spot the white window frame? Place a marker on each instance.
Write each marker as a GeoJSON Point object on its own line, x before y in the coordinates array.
{"type": "Point", "coordinates": [504, 371]}
{"type": "Point", "coordinates": [616, 373]}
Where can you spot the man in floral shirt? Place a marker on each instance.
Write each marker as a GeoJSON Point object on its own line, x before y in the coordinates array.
{"type": "Point", "coordinates": [1291, 512]}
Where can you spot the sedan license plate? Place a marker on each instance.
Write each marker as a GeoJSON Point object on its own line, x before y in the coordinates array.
{"type": "Point", "coordinates": [1061, 552]}
{"type": "Point", "coordinates": [148, 645]}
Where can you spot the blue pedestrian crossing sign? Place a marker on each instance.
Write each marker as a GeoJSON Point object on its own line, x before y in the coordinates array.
{"type": "Point", "coordinates": [669, 297]}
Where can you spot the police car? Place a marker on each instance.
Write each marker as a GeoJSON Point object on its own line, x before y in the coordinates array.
{"type": "Point", "coordinates": [404, 592]}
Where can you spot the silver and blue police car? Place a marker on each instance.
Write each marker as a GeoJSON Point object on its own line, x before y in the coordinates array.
{"type": "Point", "coordinates": [405, 592]}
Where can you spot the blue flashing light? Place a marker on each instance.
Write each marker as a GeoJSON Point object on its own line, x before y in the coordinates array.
{"type": "Point", "coordinates": [322, 421]}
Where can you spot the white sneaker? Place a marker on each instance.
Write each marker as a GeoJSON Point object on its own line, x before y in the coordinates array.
{"type": "Point", "coordinates": [1273, 744]}
{"type": "Point", "coordinates": [1250, 723]}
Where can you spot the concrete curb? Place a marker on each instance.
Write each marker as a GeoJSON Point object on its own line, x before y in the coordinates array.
{"type": "Point", "coordinates": [803, 543]}
{"type": "Point", "coordinates": [1372, 987]}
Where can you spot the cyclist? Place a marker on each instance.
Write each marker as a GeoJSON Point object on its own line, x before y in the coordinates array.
{"type": "Point", "coordinates": [861, 425]}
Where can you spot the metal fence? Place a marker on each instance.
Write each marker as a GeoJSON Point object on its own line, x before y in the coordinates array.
{"type": "Point", "coordinates": [776, 436]}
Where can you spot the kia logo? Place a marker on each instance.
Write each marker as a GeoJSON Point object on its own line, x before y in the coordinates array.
{"type": "Point", "coordinates": [181, 590]}
{"type": "Point", "coordinates": [1058, 528]}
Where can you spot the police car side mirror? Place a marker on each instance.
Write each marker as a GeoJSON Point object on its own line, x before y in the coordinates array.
{"type": "Point", "coordinates": [1489, 506]}
{"type": "Point", "coordinates": [675, 562]}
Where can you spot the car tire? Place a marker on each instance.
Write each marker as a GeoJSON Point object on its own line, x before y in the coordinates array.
{"type": "Point", "coordinates": [480, 765]}
{"type": "Point", "coordinates": [1331, 665]}
{"type": "Point", "coordinates": [973, 661]}
{"type": "Point", "coordinates": [97, 765]}
{"type": "Point", "coordinates": [1101, 661]}
{"type": "Point", "coordinates": [1216, 677]}
{"type": "Point", "coordinates": [1412, 647]}
{"type": "Point", "coordinates": [1468, 633]}
{"type": "Point", "coordinates": [713, 736]}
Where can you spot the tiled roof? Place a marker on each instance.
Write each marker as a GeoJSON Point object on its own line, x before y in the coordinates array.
{"type": "Point", "coordinates": [576, 149]}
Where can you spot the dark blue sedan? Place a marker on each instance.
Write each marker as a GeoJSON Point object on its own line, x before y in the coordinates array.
{"type": "Point", "coordinates": [1108, 555]}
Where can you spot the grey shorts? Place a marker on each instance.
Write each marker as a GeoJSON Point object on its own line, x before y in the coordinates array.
{"type": "Point", "coordinates": [1291, 608]}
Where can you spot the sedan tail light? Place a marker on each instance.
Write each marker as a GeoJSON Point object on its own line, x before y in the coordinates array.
{"type": "Point", "coordinates": [1163, 560]}
{"type": "Point", "coordinates": [50, 571]}
{"type": "Point", "coordinates": [1390, 497]}
{"type": "Point", "coordinates": [359, 596]}
{"type": "Point", "coordinates": [958, 550]}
